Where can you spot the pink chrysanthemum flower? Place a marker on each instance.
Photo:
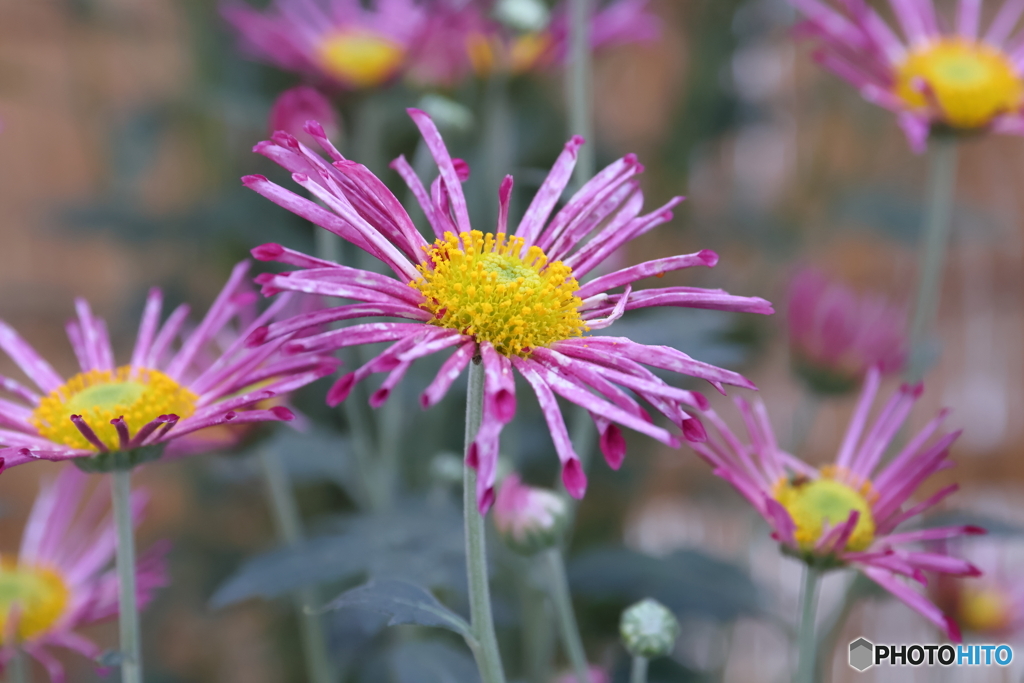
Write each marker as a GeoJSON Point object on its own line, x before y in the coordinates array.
{"type": "Point", "coordinates": [166, 392]}
{"type": "Point", "coordinates": [963, 79]}
{"type": "Point", "coordinates": [344, 43]}
{"type": "Point", "coordinates": [847, 513]}
{"type": "Point", "coordinates": [528, 519]}
{"type": "Point", "coordinates": [494, 47]}
{"type": "Point", "coordinates": [510, 301]}
{"type": "Point", "coordinates": [836, 334]}
{"type": "Point", "coordinates": [992, 605]}
{"type": "Point", "coordinates": [61, 579]}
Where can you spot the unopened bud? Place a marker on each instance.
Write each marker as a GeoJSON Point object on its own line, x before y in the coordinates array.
{"type": "Point", "coordinates": [528, 519]}
{"type": "Point", "coordinates": [649, 629]}
{"type": "Point", "coordinates": [447, 113]}
{"type": "Point", "coordinates": [528, 16]}
{"type": "Point", "coordinates": [294, 107]}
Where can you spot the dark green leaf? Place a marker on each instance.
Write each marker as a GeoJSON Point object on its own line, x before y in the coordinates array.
{"type": "Point", "coordinates": [426, 661]}
{"type": "Point", "coordinates": [403, 603]}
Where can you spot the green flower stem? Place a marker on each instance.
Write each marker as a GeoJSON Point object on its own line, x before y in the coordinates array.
{"type": "Point", "coordinates": [488, 659]}
{"type": "Point", "coordinates": [19, 669]}
{"type": "Point", "coordinates": [638, 673]}
{"type": "Point", "coordinates": [559, 586]}
{"type": "Point", "coordinates": [128, 612]}
{"type": "Point", "coordinates": [938, 218]}
{"type": "Point", "coordinates": [537, 640]}
{"type": "Point", "coordinates": [806, 641]}
{"type": "Point", "coordinates": [289, 529]}
{"type": "Point", "coordinates": [579, 88]}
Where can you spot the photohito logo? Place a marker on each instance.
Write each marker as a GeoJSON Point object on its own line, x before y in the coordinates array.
{"type": "Point", "coordinates": [864, 654]}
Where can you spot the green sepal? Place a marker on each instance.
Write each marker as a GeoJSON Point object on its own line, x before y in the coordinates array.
{"type": "Point", "coordinates": [120, 460]}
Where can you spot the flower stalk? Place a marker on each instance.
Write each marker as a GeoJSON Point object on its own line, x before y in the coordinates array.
{"type": "Point", "coordinates": [579, 88]}
{"type": "Point", "coordinates": [289, 529]}
{"type": "Point", "coordinates": [488, 658]}
{"type": "Point", "coordinates": [939, 195]}
{"type": "Point", "coordinates": [19, 670]}
{"type": "Point", "coordinates": [128, 612]}
{"type": "Point", "coordinates": [565, 615]}
{"type": "Point", "coordinates": [638, 672]}
{"type": "Point", "coordinates": [806, 641]}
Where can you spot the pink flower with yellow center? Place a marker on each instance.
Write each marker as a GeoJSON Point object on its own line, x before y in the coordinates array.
{"type": "Point", "coordinates": [494, 47]}
{"type": "Point", "coordinates": [345, 43]}
{"type": "Point", "coordinates": [847, 513]}
{"type": "Point", "coordinates": [962, 80]}
{"type": "Point", "coordinates": [179, 382]}
{"type": "Point", "coordinates": [61, 579]}
{"type": "Point", "coordinates": [510, 301]}
{"type": "Point", "coordinates": [836, 335]}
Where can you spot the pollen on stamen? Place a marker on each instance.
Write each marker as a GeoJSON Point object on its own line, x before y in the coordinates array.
{"type": "Point", "coordinates": [486, 287]}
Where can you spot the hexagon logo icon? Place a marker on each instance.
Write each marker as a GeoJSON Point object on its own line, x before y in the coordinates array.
{"type": "Point", "coordinates": [862, 654]}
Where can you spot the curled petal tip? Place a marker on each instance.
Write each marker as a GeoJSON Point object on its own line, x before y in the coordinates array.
{"type": "Point", "coordinates": [257, 337]}
{"type": "Point", "coordinates": [379, 397]}
{"type": "Point", "coordinates": [973, 571]}
{"type": "Point", "coordinates": [574, 479]}
{"type": "Point", "coordinates": [230, 415]}
{"type": "Point", "coordinates": [575, 142]}
{"type": "Point", "coordinates": [340, 390]}
{"type": "Point", "coordinates": [701, 400]}
{"type": "Point", "coordinates": [282, 413]}
{"type": "Point", "coordinates": [250, 180]}
{"type": "Point", "coordinates": [486, 500]}
{"type": "Point", "coordinates": [975, 530]}
{"type": "Point", "coordinates": [693, 430]}
{"type": "Point", "coordinates": [613, 446]}
{"type": "Point", "coordinates": [313, 127]}
{"type": "Point", "coordinates": [709, 257]}
{"type": "Point", "coordinates": [300, 177]}
{"type": "Point", "coordinates": [267, 252]}
{"type": "Point", "coordinates": [461, 169]}
{"type": "Point", "coordinates": [631, 159]}
{"type": "Point", "coordinates": [473, 456]}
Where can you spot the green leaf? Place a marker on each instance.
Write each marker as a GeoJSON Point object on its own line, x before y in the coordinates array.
{"type": "Point", "coordinates": [403, 603]}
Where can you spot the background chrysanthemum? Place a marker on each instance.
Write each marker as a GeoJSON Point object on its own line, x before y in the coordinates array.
{"type": "Point", "coordinates": [848, 513]}
{"type": "Point", "coordinates": [506, 300]}
{"type": "Point", "coordinates": [344, 43]}
{"type": "Point", "coordinates": [62, 578]}
{"type": "Point", "coordinates": [964, 79]}
{"type": "Point", "coordinates": [179, 381]}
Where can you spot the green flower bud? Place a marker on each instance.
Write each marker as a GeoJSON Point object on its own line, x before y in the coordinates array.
{"type": "Point", "coordinates": [648, 629]}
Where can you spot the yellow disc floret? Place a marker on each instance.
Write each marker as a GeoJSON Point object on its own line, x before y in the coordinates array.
{"type": "Point", "coordinates": [140, 395]}
{"type": "Point", "coordinates": [39, 595]}
{"type": "Point", "coordinates": [362, 59]}
{"type": "Point", "coordinates": [969, 82]}
{"type": "Point", "coordinates": [482, 286]}
{"type": "Point", "coordinates": [815, 503]}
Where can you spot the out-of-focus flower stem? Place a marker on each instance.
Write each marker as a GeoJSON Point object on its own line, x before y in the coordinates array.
{"type": "Point", "coordinates": [19, 670]}
{"type": "Point", "coordinates": [803, 420]}
{"type": "Point", "coordinates": [638, 673]}
{"type": "Point", "coordinates": [289, 529]}
{"type": "Point", "coordinates": [488, 659]}
{"type": "Point", "coordinates": [128, 612]}
{"type": "Point", "coordinates": [806, 640]}
{"type": "Point", "coordinates": [566, 617]}
{"type": "Point", "coordinates": [579, 87]}
{"type": "Point", "coordinates": [939, 195]}
{"type": "Point", "coordinates": [536, 631]}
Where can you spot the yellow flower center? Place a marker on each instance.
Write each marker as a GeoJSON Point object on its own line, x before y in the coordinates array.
{"type": "Point", "coordinates": [140, 395]}
{"type": "Point", "coordinates": [984, 609]}
{"type": "Point", "coordinates": [813, 503]}
{"type": "Point", "coordinates": [480, 285]}
{"type": "Point", "coordinates": [361, 58]}
{"type": "Point", "coordinates": [970, 82]}
{"type": "Point", "coordinates": [39, 595]}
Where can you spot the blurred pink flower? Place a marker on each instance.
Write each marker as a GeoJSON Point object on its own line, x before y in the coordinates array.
{"type": "Point", "coordinates": [495, 47]}
{"type": "Point", "coordinates": [166, 392]}
{"type": "Point", "coordinates": [960, 79]}
{"type": "Point", "coordinates": [596, 674]}
{"type": "Point", "coordinates": [992, 605]}
{"type": "Point", "coordinates": [847, 513]}
{"type": "Point", "coordinates": [836, 335]}
{"type": "Point", "coordinates": [529, 519]}
{"type": "Point", "coordinates": [61, 579]}
{"type": "Point", "coordinates": [295, 106]}
{"type": "Point", "coordinates": [506, 301]}
{"type": "Point", "coordinates": [341, 43]}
